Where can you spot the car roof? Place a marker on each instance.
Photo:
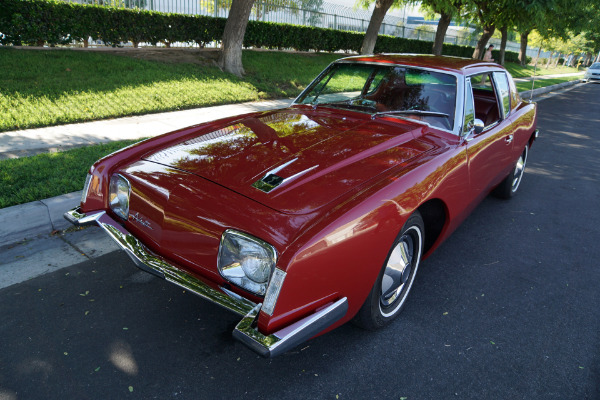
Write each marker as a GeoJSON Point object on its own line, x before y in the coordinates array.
{"type": "Point", "coordinates": [455, 64]}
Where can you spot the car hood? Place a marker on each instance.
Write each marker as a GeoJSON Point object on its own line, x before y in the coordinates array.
{"type": "Point", "coordinates": [295, 160]}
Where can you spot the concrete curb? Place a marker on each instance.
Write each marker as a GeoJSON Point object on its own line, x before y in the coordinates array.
{"type": "Point", "coordinates": [28, 220]}
{"type": "Point", "coordinates": [547, 89]}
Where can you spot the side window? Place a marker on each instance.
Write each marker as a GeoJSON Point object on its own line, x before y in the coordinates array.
{"type": "Point", "coordinates": [469, 108]}
{"type": "Point", "coordinates": [485, 100]}
{"type": "Point", "coordinates": [504, 94]}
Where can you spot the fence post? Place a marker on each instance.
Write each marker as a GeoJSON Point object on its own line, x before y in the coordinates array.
{"type": "Point", "coordinates": [334, 21]}
{"type": "Point", "coordinates": [216, 8]}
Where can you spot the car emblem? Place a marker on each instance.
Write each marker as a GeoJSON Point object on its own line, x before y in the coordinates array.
{"type": "Point", "coordinates": [136, 217]}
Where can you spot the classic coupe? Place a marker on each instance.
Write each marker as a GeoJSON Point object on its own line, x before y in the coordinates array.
{"type": "Point", "coordinates": [304, 218]}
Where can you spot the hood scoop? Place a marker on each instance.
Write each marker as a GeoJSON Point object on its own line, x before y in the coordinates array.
{"type": "Point", "coordinates": [271, 181]}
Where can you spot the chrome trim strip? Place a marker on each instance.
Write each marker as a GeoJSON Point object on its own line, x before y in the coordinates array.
{"type": "Point", "coordinates": [291, 336]}
{"type": "Point", "coordinates": [149, 262]}
{"type": "Point", "coordinates": [537, 133]}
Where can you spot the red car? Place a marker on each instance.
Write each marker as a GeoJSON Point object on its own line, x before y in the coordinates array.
{"type": "Point", "coordinates": [304, 218]}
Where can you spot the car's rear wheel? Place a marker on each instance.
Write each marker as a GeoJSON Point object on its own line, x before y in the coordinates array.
{"type": "Point", "coordinates": [509, 186]}
{"type": "Point", "coordinates": [388, 295]}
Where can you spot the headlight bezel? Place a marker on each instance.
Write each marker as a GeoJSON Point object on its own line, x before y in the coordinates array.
{"type": "Point", "coordinates": [118, 199]}
{"type": "Point", "coordinates": [231, 266]}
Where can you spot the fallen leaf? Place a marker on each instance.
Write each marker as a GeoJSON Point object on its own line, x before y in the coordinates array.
{"type": "Point", "coordinates": [130, 389]}
{"type": "Point", "coordinates": [492, 342]}
{"type": "Point", "coordinates": [65, 353]}
{"type": "Point", "coordinates": [125, 328]}
{"type": "Point", "coordinates": [97, 369]}
{"type": "Point", "coordinates": [446, 313]}
{"type": "Point", "coordinates": [87, 312]}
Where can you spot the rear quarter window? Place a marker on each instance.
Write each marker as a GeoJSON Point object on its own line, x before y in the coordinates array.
{"type": "Point", "coordinates": [503, 92]}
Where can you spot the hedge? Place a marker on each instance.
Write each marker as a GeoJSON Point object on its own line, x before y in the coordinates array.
{"type": "Point", "coordinates": [36, 22]}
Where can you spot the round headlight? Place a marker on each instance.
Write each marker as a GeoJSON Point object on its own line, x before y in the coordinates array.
{"type": "Point", "coordinates": [246, 261]}
{"type": "Point", "coordinates": [119, 191]}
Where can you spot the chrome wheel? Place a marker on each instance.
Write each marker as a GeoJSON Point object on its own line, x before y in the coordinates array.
{"type": "Point", "coordinates": [519, 170]}
{"type": "Point", "coordinates": [400, 271]}
{"type": "Point", "coordinates": [390, 290]}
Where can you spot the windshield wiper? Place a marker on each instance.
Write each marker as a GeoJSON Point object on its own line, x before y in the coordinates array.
{"type": "Point", "coordinates": [404, 112]}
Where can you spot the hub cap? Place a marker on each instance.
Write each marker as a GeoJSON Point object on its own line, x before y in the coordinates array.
{"type": "Point", "coordinates": [399, 271]}
{"type": "Point", "coordinates": [519, 169]}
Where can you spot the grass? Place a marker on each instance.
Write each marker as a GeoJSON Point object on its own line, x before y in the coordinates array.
{"type": "Point", "coordinates": [42, 88]}
{"type": "Point", "coordinates": [525, 72]}
{"type": "Point", "coordinates": [51, 174]}
{"type": "Point", "coordinates": [49, 87]}
{"type": "Point", "coordinates": [540, 83]}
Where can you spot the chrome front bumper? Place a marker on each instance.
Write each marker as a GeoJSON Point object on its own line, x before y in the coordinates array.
{"type": "Point", "coordinates": [245, 331]}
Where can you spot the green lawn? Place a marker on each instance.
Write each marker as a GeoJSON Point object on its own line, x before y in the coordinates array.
{"type": "Point", "coordinates": [525, 72]}
{"type": "Point", "coordinates": [51, 174]}
{"type": "Point", "coordinates": [540, 83]}
{"type": "Point", "coordinates": [41, 88]}
{"type": "Point", "coordinates": [50, 87]}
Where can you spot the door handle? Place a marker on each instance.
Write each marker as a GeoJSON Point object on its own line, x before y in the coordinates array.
{"type": "Point", "coordinates": [509, 139]}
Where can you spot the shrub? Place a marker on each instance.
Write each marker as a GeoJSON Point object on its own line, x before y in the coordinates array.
{"type": "Point", "coordinates": [57, 22]}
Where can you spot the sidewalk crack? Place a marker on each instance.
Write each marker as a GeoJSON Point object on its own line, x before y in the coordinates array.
{"type": "Point", "coordinates": [75, 247]}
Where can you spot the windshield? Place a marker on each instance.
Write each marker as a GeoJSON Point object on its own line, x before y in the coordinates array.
{"type": "Point", "coordinates": [387, 90]}
{"type": "Point", "coordinates": [595, 66]}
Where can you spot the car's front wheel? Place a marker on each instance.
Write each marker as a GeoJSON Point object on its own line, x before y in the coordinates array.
{"type": "Point", "coordinates": [509, 186]}
{"type": "Point", "coordinates": [389, 293]}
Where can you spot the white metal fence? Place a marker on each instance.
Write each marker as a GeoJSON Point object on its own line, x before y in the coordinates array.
{"type": "Point", "coordinates": [309, 13]}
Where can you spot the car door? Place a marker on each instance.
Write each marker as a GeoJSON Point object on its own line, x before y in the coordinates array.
{"type": "Point", "coordinates": [489, 151]}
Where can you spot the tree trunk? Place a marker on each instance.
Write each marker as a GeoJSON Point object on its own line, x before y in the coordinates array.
{"type": "Point", "coordinates": [381, 8]}
{"type": "Point", "coordinates": [557, 60]}
{"type": "Point", "coordinates": [440, 34]}
{"type": "Point", "coordinates": [549, 60]}
{"type": "Point", "coordinates": [523, 50]}
{"type": "Point", "coordinates": [230, 58]}
{"type": "Point", "coordinates": [538, 56]}
{"type": "Point", "coordinates": [504, 31]}
{"type": "Point", "coordinates": [488, 31]}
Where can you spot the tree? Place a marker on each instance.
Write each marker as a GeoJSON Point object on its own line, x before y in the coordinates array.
{"type": "Point", "coordinates": [486, 13]}
{"type": "Point", "coordinates": [379, 12]}
{"type": "Point", "coordinates": [230, 58]}
{"type": "Point", "coordinates": [447, 9]}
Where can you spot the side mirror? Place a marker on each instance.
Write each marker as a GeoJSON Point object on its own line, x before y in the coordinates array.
{"type": "Point", "coordinates": [478, 126]}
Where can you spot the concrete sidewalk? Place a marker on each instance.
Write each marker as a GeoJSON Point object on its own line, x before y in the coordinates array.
{"type": "Point", "coordinates": [542, 77]}
{"type": "Point", "coordinates": [29, 142]}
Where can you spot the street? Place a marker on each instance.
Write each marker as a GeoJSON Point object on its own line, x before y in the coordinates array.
{"type": "Point", "coordinates": [506, 308]}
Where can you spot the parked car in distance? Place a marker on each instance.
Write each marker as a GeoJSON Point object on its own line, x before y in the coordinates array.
{"type": "Point", "coordinates": [304, 218]}
{"type": "Point", "coordinates": [592, 73]}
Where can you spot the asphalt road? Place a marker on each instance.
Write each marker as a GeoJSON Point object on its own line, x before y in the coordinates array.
{"type": "Point", "coordinates": [507, 308]}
